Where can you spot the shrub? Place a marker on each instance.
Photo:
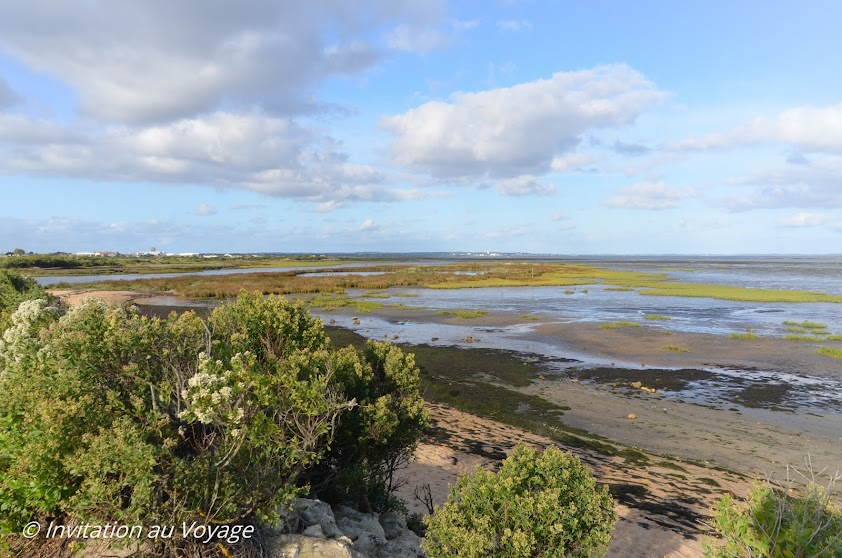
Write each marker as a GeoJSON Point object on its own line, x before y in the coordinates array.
{"type": "Point", "coordinates": [378, 436]}
{"type": "Point", "coordinates": [14, 289]}
{"type": "Point", "coordinates": [110, 416]}
{"type": "Point", "coordinates": [538, 506]}
{"type": "Point", "coordinates": [775, 523]}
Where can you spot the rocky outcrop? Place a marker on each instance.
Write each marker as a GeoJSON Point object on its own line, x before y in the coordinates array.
{"type": "Point", "coordinates": [312, 529]}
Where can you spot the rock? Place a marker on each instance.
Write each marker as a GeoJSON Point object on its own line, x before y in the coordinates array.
{"type": "Point", "coordinates": [637, 385]}
{"type": "Point", "coordinates": [299, 546]}
{"type": "Point", "coordinates": [314, 531]}
{"type": "Point", "coordinates": [354, 523]}
{"type": "Point", "coordinates": [407, 545]}
{"type": "Point", "coordinates": [393, 525]}
{"type": "Point", "coordinates": [631, 416]}
{"type": "Point", "coordinates": [316, 512]}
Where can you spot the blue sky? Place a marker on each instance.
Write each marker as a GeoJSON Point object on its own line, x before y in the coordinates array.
{"type": "Point", "coordinates": [601, 127]}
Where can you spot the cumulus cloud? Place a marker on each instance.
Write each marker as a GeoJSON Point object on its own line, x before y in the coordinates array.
{"type": "Point", "coordinates": [271, 155]}
{"type": "Point", "coordinates": [368, 225]}
{"type": "Point", "coordinates": [800, 220]}
{"type": "Point", "coordinates": [525, 185]}
{"type": "Point", "coordinates": [649, 195]}
{"type": "Point", "coordinates": [808, 184]}
{"type": "Point", "coordinates": [809, 128]}
{"type": "Point", "coordinates": [512, 131]}
{"type": "Point", "coordinates": [156, 60]}
{"type": "Point", "coordinates": [204, 210]}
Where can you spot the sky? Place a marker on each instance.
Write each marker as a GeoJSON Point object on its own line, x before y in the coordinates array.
{"type": "Point", "coordinates": [558, 126]}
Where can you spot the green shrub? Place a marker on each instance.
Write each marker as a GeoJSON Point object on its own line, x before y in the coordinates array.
{"type": "Point", "coordinates": [378, 436]}
{"type": "Point", "coordinates": [14, 289]}
{"type": "Point", "coordinates": [110, 416]}
{"type": "Point", "coordinates": [775, 523]}
{"type": "Point", "coordinates": [538, 506]}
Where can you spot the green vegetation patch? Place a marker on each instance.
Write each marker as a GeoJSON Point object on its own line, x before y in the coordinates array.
{"type": "Point", "coordinates": [618, 325]}
{"type": "Point", "coordinates": [657, 317]}
{"type": "Point", "coordinates": [830, 351]}
{"type": "Point", "coordinates": [746, 335]}
{"type": "Point", "coordinates": [464, 314]}
{"type": "Point", "coordinates": [726, 292]}
{"type": "Point", "coordinates": [803, 338]}
{"type": "Point", "coordinates": [674, 348]}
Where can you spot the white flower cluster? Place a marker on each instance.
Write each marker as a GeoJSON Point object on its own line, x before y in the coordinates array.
{"type": "Point", "coordinates": [211, 393]}
{"type": "Point", "coordinates": [30, 316]}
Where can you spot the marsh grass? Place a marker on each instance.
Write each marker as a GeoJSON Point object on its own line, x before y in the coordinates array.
{"type": "Point", "coordinates": [464, 314]}
{"type": "Point", "coordinates": [618, 325]}
{"type": "Point", "coordinates": [834, 338]}
{"type": "Point", "coordinates": [657, 317]}
{"type": "Point", "coordinates": [803, 338]}
{"type": "Point", "coordinates": [329, 302]}
{"type": "Point", "coordinates": [530, 317]}
{"type": "Point", "coordinates": [726, 292]}
{"type": "Point", "coordinates": [747, 335]}
{"type": "Point", "coordinates": [830, 351]}
{"type": "Point", "coordinates": [675, 348]}
{"type": "Point", "coordinates": [452, 276]}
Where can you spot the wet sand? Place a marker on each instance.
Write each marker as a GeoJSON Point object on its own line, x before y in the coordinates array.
{"type": "Point", "coordinates": [663, 508]}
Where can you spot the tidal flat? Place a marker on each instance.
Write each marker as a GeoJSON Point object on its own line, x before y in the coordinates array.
{"type": "Point", "coordinates": [671, 411]}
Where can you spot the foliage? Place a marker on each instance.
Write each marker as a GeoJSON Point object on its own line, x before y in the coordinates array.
{"type": "Point", "coordinates": [538, 506]}
{"type": "Point", "coordinates": [618, 325]}
{"type": "Point", "coordinates": [110, 416]}
{"type": "Point", "coordinates": [830, 351]}
{"type": "Point", "coordinates": [14, 289]}
{"type": "Point", "coordinates": [378, 436]}
{"type": "Point", "coordinates": [775, 523]}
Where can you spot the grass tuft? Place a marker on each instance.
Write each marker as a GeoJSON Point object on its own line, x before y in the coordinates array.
{"type": "Point", "coordinates": [464, 314]}
{"type": "Point", "coordinates": [674, 348]}
{"type": "Point", "coordinates": [803, 338]}
{"type": "Point", "coordinates": [747, 335]}
{"type": "Point", "coordinates": [657, 317]}
{"type": "Point", "coordinates": [830, 351]}
{"type": "Point", "coordinates": [618, 325]}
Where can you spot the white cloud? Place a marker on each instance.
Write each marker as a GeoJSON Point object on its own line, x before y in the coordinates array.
{"type": "Point", "coordinates": [570, 161]}
{"type": "Point", "coordinates": [805, 220]}
{"type": "Point", "coordinates": [514, 24]}
{"type": "Point", "coordinates": [649, 195]}
{"type": "Point", "coordinates": [517, 130]}
{"type": "Point", "coordinates": [158, 60]}
{"type": "Point", "coordinates": [808, 128]}
{"type": "Point", "coordinates": [270, 155]}
{"type": "Point", "coordinates": [204, 210]}
{"type": "Point", "coordinates": [368, 225]}
{"type": "Point", "coordinates": [809, 184]}
{"type": "Point", "coordinates": [525, 185]}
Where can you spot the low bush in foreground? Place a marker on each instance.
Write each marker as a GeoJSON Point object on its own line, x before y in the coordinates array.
{"type": "Point", "coordinates": [538, 506]}
{"type": "Point", "coordinates": [112, 417]}
{"type": "Point", "coordinates": [774, 522]}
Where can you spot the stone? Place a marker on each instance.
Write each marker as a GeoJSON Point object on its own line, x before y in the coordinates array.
{"type": "Point", "coordinates": [407, 545]}
{"type": "Point", "coordinates": [393, 525]}
{"type": "Point", "coordinates": [631, 416]}
{"type": "Point", "coordinates": [299, 546]}
{"type": "Point", "coordinates": [314, 531]}
{"type": "Point", "coordinates": [316, 512]}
